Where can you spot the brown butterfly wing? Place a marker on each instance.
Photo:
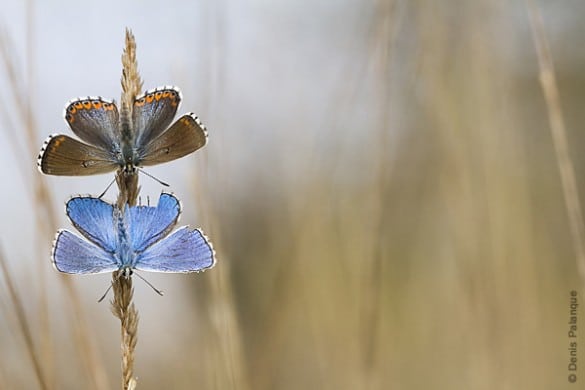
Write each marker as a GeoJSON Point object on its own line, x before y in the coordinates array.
{"type": "Point", "coordinates": [95, 121]}
{"type": "Point", "coordinates": [153, 112]}
{"type": "Point", "coordinates": [184, 137]}
{"type": "Point", "coordinates": [62, 155]}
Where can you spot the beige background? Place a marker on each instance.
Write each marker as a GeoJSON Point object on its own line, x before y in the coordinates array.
{"type": "Point", "coordinates": [380, 183]}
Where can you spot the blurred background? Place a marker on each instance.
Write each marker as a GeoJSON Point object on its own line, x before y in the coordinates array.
{"type": "Point", "coordinates": [380, 184]}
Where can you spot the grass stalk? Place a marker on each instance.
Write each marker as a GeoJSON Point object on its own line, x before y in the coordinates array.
{"type": "Point", "coordinates": [122, 306]}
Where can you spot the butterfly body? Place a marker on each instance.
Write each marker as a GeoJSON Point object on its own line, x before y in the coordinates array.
{"type": "Point", "coordinates": [134, 238]}
{"type": "Point", "coordinates": [127, 140]}
{"type": "Point", "coordinates": [125, 255]}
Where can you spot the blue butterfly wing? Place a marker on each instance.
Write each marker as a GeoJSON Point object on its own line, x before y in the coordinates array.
{"type": "Point", "coordinates": [74, 255]}
{"type": "Point", "coordinates": [94, 219]}
{"type": "Point", "coordinates": [185, 250]}
{"type": "Point", "coordinates": [149, 224]}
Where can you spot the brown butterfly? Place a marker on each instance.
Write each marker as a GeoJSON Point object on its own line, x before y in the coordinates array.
{"type": "Point", "coordinates": [96, 121]}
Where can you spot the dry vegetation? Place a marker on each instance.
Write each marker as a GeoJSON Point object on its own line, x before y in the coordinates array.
{"type": "Point", "coordinates": [418, 238]}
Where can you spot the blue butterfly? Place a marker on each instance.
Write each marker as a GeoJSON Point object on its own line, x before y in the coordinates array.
{"type": "Point", "coordinates": [137, 238]}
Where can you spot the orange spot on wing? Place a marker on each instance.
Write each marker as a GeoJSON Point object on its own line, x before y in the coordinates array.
{"type": "Point", "coordinates": [149, 98]}
{"type": "Point", "coordinates": [87, 104]}
{"type": "Point", "coordinates": [97, 104]}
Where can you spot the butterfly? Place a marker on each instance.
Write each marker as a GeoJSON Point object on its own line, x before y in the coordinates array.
{"type": "Point", "coordinates": [134, 238]}
{"type": "Point", "coordinates": [105, 148]}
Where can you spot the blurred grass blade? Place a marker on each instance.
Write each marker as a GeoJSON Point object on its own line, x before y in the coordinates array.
{"type": "Point", "coordinates": [559, 135]}
{"type": "Point", "coordinates": [23, 323]}
{"type": "Point", "coordinates": [45, 216]}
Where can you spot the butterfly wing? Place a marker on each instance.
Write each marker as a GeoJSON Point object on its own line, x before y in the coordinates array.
{"type": "Point", "coordinates": [186, 250]}
{"type": "Point", "coordinates": [94, 219]}
{"type": "Point", "coordinates": [150, 224]}
{"type": "Point", "coordinates": [95, 121]}
{"type": "Point", "coordinates": [74, 255]}
{"type": "Point", "coordinates": [64, 156]}
{"type": "Point", "coordinates": [184, 137]}
{"type": "Point", "coordinates": [153, 112]}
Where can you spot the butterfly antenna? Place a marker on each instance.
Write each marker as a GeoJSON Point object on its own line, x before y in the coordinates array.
{"type": "Point", "coordinates": [107, 188]}
{"type": "Point", "coordinates": [159, 292]}
{"type": "Point", "coordinates": [106, 293]}
{"type": "Point", "coordinates": [154, 178]}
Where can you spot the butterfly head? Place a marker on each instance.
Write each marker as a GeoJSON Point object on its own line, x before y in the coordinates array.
{"type": "Point", "coordinates": [126, 272]}
{"type": "Point", "coordinates": [129, 168]}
